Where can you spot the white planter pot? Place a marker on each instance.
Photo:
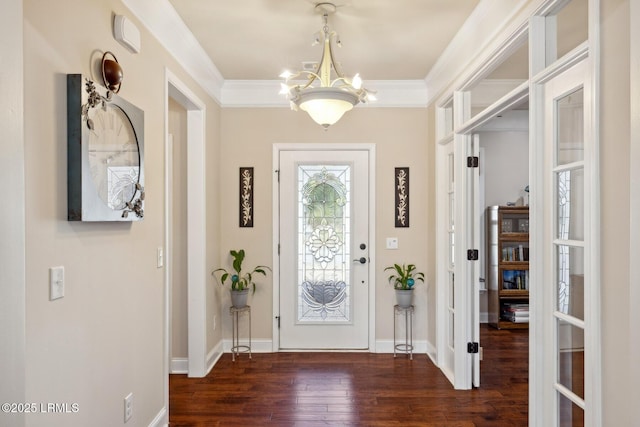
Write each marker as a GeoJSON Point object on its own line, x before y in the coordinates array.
{"type": "Point", "coordinates": [404, 297]}
{"type": "Point", "coordinates": [239, 298]}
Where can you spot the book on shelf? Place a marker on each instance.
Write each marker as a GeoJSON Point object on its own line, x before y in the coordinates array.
{"type": "Point", "coordinates": [516, 306]}
{"type": "Point", "coordinates": [518, 253]}
{"type": "Point", "coordinates": [521, 313]}
{"type": "Point", "coordinates": [515, 279]}
{"type": "Point", "coordinates": [516, 312]}
{"type": "Point", "coordinates": [516, 319]}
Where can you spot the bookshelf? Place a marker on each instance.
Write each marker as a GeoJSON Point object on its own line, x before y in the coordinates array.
{"type": "Point", "coordinates": [508, 266]}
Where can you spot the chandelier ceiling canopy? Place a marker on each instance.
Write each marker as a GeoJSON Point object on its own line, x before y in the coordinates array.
{"type": "Point", "coordinates": [326, 94]}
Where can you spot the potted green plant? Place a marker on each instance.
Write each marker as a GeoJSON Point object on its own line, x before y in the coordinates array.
{"type": "Point", "coordinates": [240, 281]}
{"type": "Point", "coordinates": [403, 278]}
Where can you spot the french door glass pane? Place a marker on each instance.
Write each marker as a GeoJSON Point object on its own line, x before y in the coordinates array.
{"type": "Point", "coordinates": [570, 130]}
{"type": "Point", "coordinates": [569, 414]}
{"type": "Point", "coordinates": [451, 289]}
{"type": "Point", "coordinates": [452, 249]}
{"type": "Point", "coordinates": [452, 211]}
{"type": "Point", "coordinates": [571, 357]}
{"type": "Point", "coordinates": [451, 331]}
{"type": "Point", "coordinates": [570, 208]}
{"type": "Point", "coordinates": [572, 26]}
{"type": "Point", "coordinates": [570, 281]}
{"type": "Point", "coordinates": [324, 235]}
{"type": "Point", "coordinates": [451, 173]}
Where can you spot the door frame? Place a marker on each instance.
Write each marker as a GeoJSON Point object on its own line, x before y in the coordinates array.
{"type": "Point", "coordinates": [196, 223]}
{"type": "Point", "coordinates": [540, 70]}
{"type": "Point", "coordinates": [371, 149]}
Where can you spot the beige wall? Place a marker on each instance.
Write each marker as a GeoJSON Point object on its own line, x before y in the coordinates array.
{"type": "Point", "coordinates": [617, 360]}
{"type": "Point", "coordinates": [400, 136]}
{"type": "Point", "coordinates": [178, 261]}
{"type": "Point", "coordinates": [104, 339]}
{"type": "Point", "coordinates": [12, 214]}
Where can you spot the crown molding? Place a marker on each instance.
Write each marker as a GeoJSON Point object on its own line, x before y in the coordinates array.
{"type": "Point", "coordinates": [477, 37]}
{"type": "Point", "coordinates": [164, 23]}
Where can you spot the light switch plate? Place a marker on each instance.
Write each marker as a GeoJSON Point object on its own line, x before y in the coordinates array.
{"type": "Point", "coordinates": [392, 243]}
{"type": "Point", "coordinates": [56, 283]}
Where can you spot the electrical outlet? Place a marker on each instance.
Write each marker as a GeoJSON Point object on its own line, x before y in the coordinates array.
{"type": "Point", "coordinates": [56, 283]}
{"type": "Point", "coordinates": [128, 407]}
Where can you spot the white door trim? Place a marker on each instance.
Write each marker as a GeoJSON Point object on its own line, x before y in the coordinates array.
{"type": "Point", "coordinates": [196, 226]}
{"type": "Point", "coordinates": [371, 148]}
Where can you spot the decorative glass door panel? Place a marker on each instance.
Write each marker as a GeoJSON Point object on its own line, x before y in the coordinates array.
{"type": "Point", "coordinates": [569, 271]}
{"type": "Point", "coordinates": [324, 263]}
{"type": "Point", "coordinates": [324, 249]}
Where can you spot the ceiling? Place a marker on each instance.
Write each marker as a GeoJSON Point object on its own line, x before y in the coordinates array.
{"type": "Point", "coordinates": [381, 39]}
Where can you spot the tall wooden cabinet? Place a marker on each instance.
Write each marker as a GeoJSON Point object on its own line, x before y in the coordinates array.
{"type": "Point", "coordinates": [508, 266]}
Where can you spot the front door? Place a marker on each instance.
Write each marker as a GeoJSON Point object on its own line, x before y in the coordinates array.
{"type": "Point", "coordinates": [324, 249]}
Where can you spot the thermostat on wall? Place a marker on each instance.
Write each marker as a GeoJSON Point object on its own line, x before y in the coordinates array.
{"type": "Point", "coordinates": [126, 33]}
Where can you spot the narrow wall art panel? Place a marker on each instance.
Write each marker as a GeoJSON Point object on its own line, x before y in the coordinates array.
{"type": "Point", "coordinates": [246, 197]}
{"type": "Point", "coordinates": [402, 197]}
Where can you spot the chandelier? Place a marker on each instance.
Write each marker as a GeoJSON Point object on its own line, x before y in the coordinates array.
{"type": "Point", "coordinates": [326, 94]}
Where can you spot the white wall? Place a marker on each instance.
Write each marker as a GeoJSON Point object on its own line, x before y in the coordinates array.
{"type": "Point", "coordinates": [506, 167]}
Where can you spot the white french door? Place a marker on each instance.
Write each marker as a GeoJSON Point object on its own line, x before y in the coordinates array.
{"type": "Point", "coordinates": [571, 373]}
{"type": "Point", "coordinates": [324, 265]}
{"type": "Point", "coordinates": [446, 258]}
{"type": "Point", "coordinates": [458, 272]}
{"type": "Point", "coordinates": [473, 267]}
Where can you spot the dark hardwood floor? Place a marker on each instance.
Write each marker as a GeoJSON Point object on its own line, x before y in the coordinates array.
{"type": "Point", "coordinates": [355, 389]}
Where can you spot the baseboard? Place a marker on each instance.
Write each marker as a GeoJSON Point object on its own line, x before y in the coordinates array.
{"type": "Point", "coordinates": [213, 356]}
{"type": "Point", "coordinates": [431, 352]}
{"type": "Point", "coordinates": [160, 420]}
{"type": "Point", "coordinates": [179, 365]}
{"type": "Point", "coordinates": [484, 317]}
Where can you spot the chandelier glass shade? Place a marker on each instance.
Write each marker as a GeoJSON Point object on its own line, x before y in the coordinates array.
{"type": "Point", "coordinates": [326, 94]}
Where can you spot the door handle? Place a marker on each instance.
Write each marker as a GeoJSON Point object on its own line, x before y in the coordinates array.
{"type": "Point", "coordinates": [361, 260]}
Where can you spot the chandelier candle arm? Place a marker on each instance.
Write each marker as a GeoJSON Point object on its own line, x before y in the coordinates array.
{"type": "Point", "coordinates": [327, 100]}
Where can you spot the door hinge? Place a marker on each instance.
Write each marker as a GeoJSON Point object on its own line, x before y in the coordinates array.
{"type": "Point", "coordinates": [473, 162]}
{"type": "Point", "coordinates": [473, 347]}
{"type": "Point", "coordinates": [472, 254]}
{"type": "Point", "coordinates": [277, 171]}
{"type": "Point", "coordinates": [278, 249]}
{"type": "Point", "coordinates": [278, 319]}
